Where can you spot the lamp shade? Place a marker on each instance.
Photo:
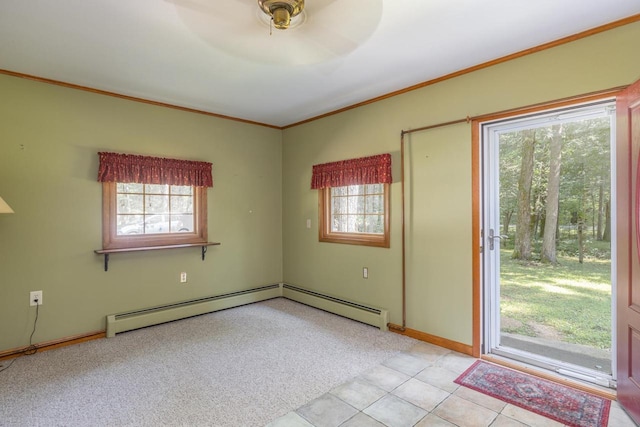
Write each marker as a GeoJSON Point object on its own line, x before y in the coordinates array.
{"type": "Point", "coordinates": [4, 207]}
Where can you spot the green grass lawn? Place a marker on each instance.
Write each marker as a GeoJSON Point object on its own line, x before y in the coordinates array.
{"type": "Point", "coordinates": [569, 301]}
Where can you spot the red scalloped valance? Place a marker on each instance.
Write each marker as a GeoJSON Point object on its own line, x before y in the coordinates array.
{"type": "Point", "coordinates": [116, 167]}
{"type": "Point", "coordinates": [365, 170]}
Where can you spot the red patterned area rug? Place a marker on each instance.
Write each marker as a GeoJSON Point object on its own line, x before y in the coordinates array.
{"type": "Point", "coordinates": [563, 404]}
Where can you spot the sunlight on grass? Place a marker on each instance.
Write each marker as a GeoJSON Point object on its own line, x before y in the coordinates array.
{"type": "Point", "coordinates": [598, 287]}
{"type": "Point", "coordinates": [571, 298]}
{"type": "Point", "coordinates": [556, 289]}
{"type": "Point", "coordinates": [516, 310]}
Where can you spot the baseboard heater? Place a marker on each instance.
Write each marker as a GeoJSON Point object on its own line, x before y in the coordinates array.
{"type": "Point", "coordinates": [370, 315]}
{"type": "Point", "coordinates": [137, 319]}
{"type": "Point", "coordinates": [166, 313]}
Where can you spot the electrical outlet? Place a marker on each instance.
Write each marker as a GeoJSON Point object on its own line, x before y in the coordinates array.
{"type": "Point", "coordinates": [35, 298]}
{"type": "Point", "coordinates": [183, 277]}
{"type": "Point", "coordinates": [365, 273]}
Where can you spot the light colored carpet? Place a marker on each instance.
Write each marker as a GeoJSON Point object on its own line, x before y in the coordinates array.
{"type": "Point", "coordinates": [240, 367]}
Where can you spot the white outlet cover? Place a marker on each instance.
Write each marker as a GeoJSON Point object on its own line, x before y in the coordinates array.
{"type": "Point", "coordinates": [33, 295]}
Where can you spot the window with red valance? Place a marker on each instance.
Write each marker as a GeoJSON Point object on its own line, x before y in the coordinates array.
{"type": "Point", "coordinates": [353, 200]}
{"type": "Point", "coordinates": [153, 201]}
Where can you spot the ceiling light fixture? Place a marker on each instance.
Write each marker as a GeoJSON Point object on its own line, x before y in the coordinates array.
{"type": "Point", "coordinates": [281, 11]}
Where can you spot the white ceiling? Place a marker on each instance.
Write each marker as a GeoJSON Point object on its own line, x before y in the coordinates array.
{"type": "Point", "coordinates": [217, 55]}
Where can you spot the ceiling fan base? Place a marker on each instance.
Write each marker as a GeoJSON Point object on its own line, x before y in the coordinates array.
{"type": "Point", "coordinates": [281, 11]}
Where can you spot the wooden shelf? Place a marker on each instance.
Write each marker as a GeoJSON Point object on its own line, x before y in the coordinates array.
{"type": "Point", "coordinates": [107, 252]}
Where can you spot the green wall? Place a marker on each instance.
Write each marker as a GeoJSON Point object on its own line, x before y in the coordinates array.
{"type": "Point", "coordinates": [49, 139]}
{"type": "Point", "coordinates": [438, 179]}
{"type": "Point", "coordinates": [50, 136]}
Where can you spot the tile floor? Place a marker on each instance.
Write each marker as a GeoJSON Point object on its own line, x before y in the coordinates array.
{"type": "Point", "coordinates": [416, 388]}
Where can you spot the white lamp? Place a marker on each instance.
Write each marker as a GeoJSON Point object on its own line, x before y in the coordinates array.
{"type": "Point", "coordinates": [4, 207]}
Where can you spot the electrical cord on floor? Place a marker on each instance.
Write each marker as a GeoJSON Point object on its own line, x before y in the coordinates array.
{"type": "Point", "coordinates": [31, 349]}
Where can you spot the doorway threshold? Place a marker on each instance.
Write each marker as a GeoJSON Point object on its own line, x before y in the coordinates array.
{"type": "Point", "coordinates": [584, 356]}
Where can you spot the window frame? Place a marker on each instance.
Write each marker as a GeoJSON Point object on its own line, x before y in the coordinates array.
{"type": "Point", "coordinates": [364, 239]}
{"type": "Point", "coordinates": [111, 239]}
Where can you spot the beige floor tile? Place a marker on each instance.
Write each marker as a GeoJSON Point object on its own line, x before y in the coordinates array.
{"type": "Point", "coordinates": [529, 418]}
{"type": "Point", "coordinates": [362, 420]}
{"type": "Point", "coordinates": [439, 377]}
{"type": "Point", "coordinates": [428, 352]}
{"type": "Point", "coordinates": [358, 393]}
{"type": "Point", "coordinates": [496, 405]}
{"type": "Point", "coordinates": [385, 378]}
{"type": "Point", "coordinates": [464, 413]}
{"type": "Point", "coordinates": [502, 421]}
{"type": "Point", "coordinates": [395, 412]}
{"type": "Point", "coordinates": [326, 411]}
{"type": "Point", "coordinates": [618, 417]}
{"type": "Point", "coordinates": [290, 420]}
{"type": "Point", "coordinates": [432, 420]}
{"type": "Point", "coordinates": [456, 362]}
{"type": "Point", "coordinates": [406, 363]}
{"type": "Point", "coordinates": [421, 394]}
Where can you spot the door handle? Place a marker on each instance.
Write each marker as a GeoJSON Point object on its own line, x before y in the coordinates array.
{"type": "Point", "coordinates": [495, 236]}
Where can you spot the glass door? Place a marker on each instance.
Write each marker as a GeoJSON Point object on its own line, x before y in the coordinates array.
{"type": "Point", "coordinates": [548, 218]}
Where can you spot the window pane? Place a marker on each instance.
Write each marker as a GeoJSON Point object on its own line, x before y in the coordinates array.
{"type": "Point", "coordinates": [160, 224]}
{"type": "Point", "coordinates": [157, 189]}
{"type": "Point", "coordinates": [157, 204]}
{"type": "Point", "coordinates": [130, 203]}
{"type": "Point", "coordinates": [355, 190]}
{"type": "Point", "coordinates": [181, 189]}
{"type": "Point", "coordinates": [362, 211]}
{"type": "Point", "coordinates": [130, 224]}
{"type": "Point", "coordinates": [181, 204]}
{"type": "Point", "coordinates": [339, 205]}
{"type": "Point", "coordinates": [355, 224]}
{"type": "Point", "coordinates": [375, 204]}
{"type": "Point", "coordinates": [350, 224]}
{"type": "Point", "coordinates": [176, 224]}
{"type": "Point", "coordinates": [129, 188]}
{"type": "Point", "coordinates": [374, 188]}
{"type": "Point", "coordinates": [339, 223]}
{"type": "Point", "coordinates": [375, 224]}
{"type": "Point", "coordinates": [338, 191]}
{"type": "Point", "coordinates": [153, 213]}
{"type": "Point", "coordinates": [186, 223]}
{"type": "Point", "coordinates": [356, 204]}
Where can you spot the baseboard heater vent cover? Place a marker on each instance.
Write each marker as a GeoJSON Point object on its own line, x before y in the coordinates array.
{"type": "Point", "coordinates": [166, 313]}
{"type": "Point", "coordinates": [370, 315]}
